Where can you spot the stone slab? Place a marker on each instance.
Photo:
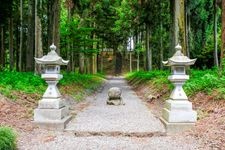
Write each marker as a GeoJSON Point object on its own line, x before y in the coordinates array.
{"type": "Point", "coordinates": [178, 105]}
{"type": "Point", "coordinates": [50, 114]}
{"type": "Point", "coordinates": [51, 76]}
{"type": "Point", "coordinates": [51, 103]}
{"type": "Point", "coordinates": [53, 124]}
{"type": "Point", "coordinates": [176, 127]}
{"type": "Point", "coordinates": [179, 116]}
{"type": "Point", "coordinates": [178, 78]}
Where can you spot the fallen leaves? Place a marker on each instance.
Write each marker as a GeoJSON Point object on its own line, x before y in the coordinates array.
{"type": "Point", "coordinates": [14, 114]}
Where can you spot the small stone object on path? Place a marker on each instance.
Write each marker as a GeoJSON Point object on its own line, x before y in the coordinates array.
{"type": "Point", "coordinates": [115, 98]}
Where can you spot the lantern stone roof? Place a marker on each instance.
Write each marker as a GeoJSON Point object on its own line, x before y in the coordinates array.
{"type": "Point", "coordinates": [179, 59]}
{"type": "Point", "coordinates": [52, 58]}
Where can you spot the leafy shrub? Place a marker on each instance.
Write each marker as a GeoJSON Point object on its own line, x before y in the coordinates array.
{"type": "Point", "coordinates": [22, 81]}
{"type": "Point", "coordinates": [200, 81]}
{"type": "Point", "coordinates": [29, 83]}
{"type": "Point", "coordinates": [204, 81]}
{"type": "Point", "coordinates": [139, 77]}
{"type": "Point", "coordinates": [7, 139]}
{"type": "Point", "coordinates": [144, 76]}
{"type": "Point", "coordinates": [84, 80]}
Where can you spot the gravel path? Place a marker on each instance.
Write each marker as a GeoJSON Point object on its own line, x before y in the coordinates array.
{"type": "Point", "coordinates": [47, 140]}
{"type": "Point", "coordinates": [133, 117]}
{"type": "Point", "coordinates": [103, 127]}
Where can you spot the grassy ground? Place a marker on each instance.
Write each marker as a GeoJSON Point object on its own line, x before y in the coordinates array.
{"type": "Point", "coordinates": [76, 85]}
{"type": "Point", "coordinates": [206, 81]}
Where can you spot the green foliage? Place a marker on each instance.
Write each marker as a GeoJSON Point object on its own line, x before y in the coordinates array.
{"type": "Point", "coordinates": [7, 139]}
{"type": "Point", "coordinates": [157, 77]}
{"type": "Point", "coordinates": [201, 36]}
{"type": "Point", "coordinates": [29, 83]}
{"type": "Point", "coordinates": [202, 81]}
{"type": "Point", "coordinates": [79, 85]}
{"type": "Point", "coordinates": [21, 81]}
{"type": "Point", "coordinates": [84, 81]}
{"type": "Point", "coordinates": [144, 76]}
{"type": "Point", "coordinates": [206, 81]}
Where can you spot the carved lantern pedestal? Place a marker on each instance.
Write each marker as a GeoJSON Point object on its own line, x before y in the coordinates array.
{"type": "Point", "coordinates": [177, 112]}
{"type": "Point", "coordinates": [51, 112]}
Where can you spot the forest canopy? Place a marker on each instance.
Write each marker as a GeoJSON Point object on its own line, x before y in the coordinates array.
{"type": "Point", "coordinates": [94, 35]}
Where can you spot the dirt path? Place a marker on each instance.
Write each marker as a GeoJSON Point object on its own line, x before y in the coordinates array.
{"type": "Point", "coordinates": [99, 126]}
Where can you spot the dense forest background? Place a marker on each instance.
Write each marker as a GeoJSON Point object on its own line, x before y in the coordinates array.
{"type": "Point", "coordinates": [96, 36]}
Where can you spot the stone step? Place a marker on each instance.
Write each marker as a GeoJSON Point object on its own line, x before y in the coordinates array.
{"type": "Point", "coordinates": [117, 134]}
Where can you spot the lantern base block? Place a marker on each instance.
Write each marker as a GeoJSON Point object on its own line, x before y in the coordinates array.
{"type": "Point", "coordinates": [178, 116]}
{"type": "Point", "coordinates": [53, 124]}
{"type": "Point", "coordinates": [179, 111]}
{"type": "Point", "coordinates": [52, 118]}
{"type": "Point", "coordinates": [51, 103]}
{"type": "Point", "coordinates": [173, 127]}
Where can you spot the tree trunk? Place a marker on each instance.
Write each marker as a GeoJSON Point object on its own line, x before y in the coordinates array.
{"type": "Point", "coordinates": [172, 28]}
{"type": "Point", "coordinates": [187, 27]}
{"type": "Point", "coordinates": [176, 10]}
{"type": "Point", "coordinates": [30, 37]}
{"type": "Point", "coordinates": [68, 53]}
{"type": "Point", "coordinates": [81, 62]}
{"type": "Point", "coordinates": [143, 44]}
{"type": "Point", "coordinates": [87, 65]}
{"type": "Point", "coordinates": [118, 64]}
{"type": "Point", "coordinates": [130, 61]}
{"type": "Point", "coordinates": [38, 44]}
{"type": "Point", "coordinates": [161, 37]}
{"type": "Point", "coordinates": [216, 62]}
{"type": "Point", "coordinates": [148, 50]}
{"type": "Point", "coordinates": [54, 23]}
{"type": "Point", "coordinates": [102, 57]}
{"type": "Point", "coordinates": [72, 58]}
{"type": "Point", "coordinates": [11, 53]}
{"type": "Point", "coordinates": [73, 62]}
{"type": "Point", "coordinates": [94, 59]}
{"type": "Point", "coordinates": [188, 34]}
{"type": "Point", "coordinates": [138, 52]}
{"type": "Point", "coordinates": [21, 35]}
{"type": "Point", "coordinates": [179, 24]}
{"type": "Point", "coordinates": [223, 38]}
{"type": "Point", "coordinates": [69, 66]}
{"type": "Point", "coordinates": [50, 22]}
{"type": "Point", "coordinates": [2, 59]}
{"type": "Point", "coordinates": [94, 63]}
{"type": "Point", "coordinates": [138, 61]}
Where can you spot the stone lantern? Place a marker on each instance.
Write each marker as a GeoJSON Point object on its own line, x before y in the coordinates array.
{"type": "Point", "coordinates": [177, 112]}
{"type": "Point", "coordinates": [51, 111]}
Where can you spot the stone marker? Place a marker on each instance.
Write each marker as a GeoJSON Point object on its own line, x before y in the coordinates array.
{"type": "Point", "coordinates": [115, 98]}
{"type": "Point", "coordinates": [51, 111]}
{"type": "Point", "coordinates": [177, 113]}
